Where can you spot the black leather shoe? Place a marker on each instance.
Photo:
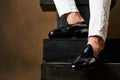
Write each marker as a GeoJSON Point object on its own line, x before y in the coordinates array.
{"type": "Point", "coordinates": [86, 60]}
{"type": "Point", "coordinates": [79, 30]}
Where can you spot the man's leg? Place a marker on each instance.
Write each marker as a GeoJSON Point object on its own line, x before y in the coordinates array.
{"type": "Point", "coordinates": [99, 15]}
{"type": "Point", "coordinates": [98, 26]}
{"type": "Point", "coordinates": [68, 9]}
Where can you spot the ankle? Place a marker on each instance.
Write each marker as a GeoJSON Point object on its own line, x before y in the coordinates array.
{"type": "Point", "coordinates": [74, 17]}
{"type": "Point", "coordinates": [97, 43]}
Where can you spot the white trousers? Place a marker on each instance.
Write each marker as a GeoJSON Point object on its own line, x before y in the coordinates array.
{"type": "Point", "coordinates": [99, 14]}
